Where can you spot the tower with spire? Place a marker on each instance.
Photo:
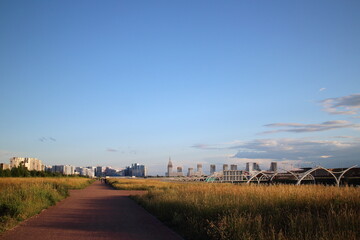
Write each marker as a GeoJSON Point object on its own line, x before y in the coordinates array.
{"type": "Point", "coordinates": [169, 168]}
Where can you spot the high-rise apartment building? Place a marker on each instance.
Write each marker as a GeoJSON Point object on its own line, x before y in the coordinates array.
{"type": "Point", "coordinates": [212, 169]}
{"type": "Point", "coordinates": [252, 166]}
{"type": "Point", "coordinates": [179, 171]}
{"type": "Point", "coordinates": [199, 170]}
{"type": "Point", "coordinates": [190, 172]}
{"type": "Point", "coordinates": [63, 169]}
{"type": "Point", "coordinates": [273, 166]}
{"type": "Point", "coordinates": [233, 167]}
{"type": "Point", "coordinates": [137, 170]}
{"type": "Point", "coordinates": [29, 163]}
{"type": "Point", "coordinates": [225, 167]}
{"type": "Point", "coordinates": [99, 171]}
{"type": "Point", "coordinates": [169, 169]}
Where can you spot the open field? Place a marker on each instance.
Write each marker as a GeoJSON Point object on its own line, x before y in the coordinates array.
{"type": "Point", "coordinates": [21, 198]}
{"type": "Point", "coordinates": [226, 211]}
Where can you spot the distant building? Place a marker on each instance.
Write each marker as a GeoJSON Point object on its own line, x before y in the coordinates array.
{"type": "Point", "coordinates": [190, 172]}
{"type": "Point", "coordinates": [252, 166]}
{"type": "Point", "coordinates": [169, 169]}
{"type": "Point", "coordinates": [233, 167]}
{"type": "Point", "coordinates": [4, 166]}
{"type": "Point", "coordinates": [136, 170]}
{"type": "Point", "coordinates": [199, 170]}
{"type": "Point", "coordinates": [273, 166]}
{"type": "Point", "coordinates": [85, 171]}
{"type": "Point", "coordinates": [212, 169]}
{"type": "Point", "coordinates": [225, 167]}
{"type": "Point", "coordinates": [99, 171]}
{"type": "Point", "coordinates": [109, 171]}
{"type": "Point", "coordinates": [234, 176]}
{"type": "Point", "coordinates": [29, 163]}
{"type": "Point", "coordinates": [88, 171]}
{"type": "Point", "coordinates": [170, 172]}
{"type": "Point", "coordinates": [63, 169]}
{"type": "Point", "coordinates": [69, 170]}
{"type": "Point", "coordinates": [179, 171]}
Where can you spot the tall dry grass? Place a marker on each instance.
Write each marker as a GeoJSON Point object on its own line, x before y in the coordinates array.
{"type": "Point", "coordinates": [226, 211]}
{"type": "Point", "coordinates": [21, 198]}
{"type": "Point", "coordinates": [138, 184]}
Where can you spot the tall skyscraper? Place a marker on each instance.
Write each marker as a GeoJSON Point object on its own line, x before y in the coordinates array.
{"type": "Point", "coordinates": [190, 172]}
{"type": "Point", "coordinates": [99, 171]}
{"type": "Point", "coordinates": [199, 170]}
{"type": "Point", "coordinates": [252, 166]}
{"type": "Point", "coordinates": [225, 167]}
{"type": "Point", "coordinates": [212, 169]}
{"type": "Point", "coordinates": [273, 166]}
{"type": "Point", "coordinates": [169, 168]}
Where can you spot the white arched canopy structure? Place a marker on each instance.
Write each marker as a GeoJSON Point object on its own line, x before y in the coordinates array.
{"type": "Point", "coordinates": [337, 179]}
{"type": "Point", "coordinates": [259, 176]}
{"type": "Point", "coordinates": [296, 176]}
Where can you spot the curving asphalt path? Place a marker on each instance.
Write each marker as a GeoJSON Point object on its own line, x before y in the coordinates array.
{"type": "Point", "coordinates": [96, 212]}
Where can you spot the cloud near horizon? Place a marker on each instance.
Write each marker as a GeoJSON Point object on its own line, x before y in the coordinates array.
{"type": "Point", "coordinates": [111, 150]}
{"type": "Point", "coordinates": [300, 128]}
{"type": "Point", "coordinates": [347, 105]}
{"type": "Point", "coordinates": [328, 153]}
{"type": "Point", "coordinates": [343, 153]}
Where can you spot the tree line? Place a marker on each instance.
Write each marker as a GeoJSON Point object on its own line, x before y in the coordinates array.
{"type": "Point", "coordinates": [22, 171]}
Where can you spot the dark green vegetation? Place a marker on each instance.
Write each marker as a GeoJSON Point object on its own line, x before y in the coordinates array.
{"type": "Point", "coordinates": [21, 198]}
{"type": "Point", "coordinates": [22, 171]}
{"type": "Point", "coordinates": [225, 211]}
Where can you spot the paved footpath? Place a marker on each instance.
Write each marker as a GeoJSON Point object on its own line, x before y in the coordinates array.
{"type": "Point", "coordinates": [96, 212]}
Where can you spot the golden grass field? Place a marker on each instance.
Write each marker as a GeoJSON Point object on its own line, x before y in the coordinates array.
{"type": "Point", "coordinates": [226, 211]}
{"type": "Point", "coordinates": [21, 198]}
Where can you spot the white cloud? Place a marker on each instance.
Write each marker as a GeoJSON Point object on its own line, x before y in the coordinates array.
{"type": "Point", "coordinates": [328, 153]}
{"type": "Point", "coordinates": [300, 128]}
{"type": "Point", "coordinates": [347, 105]}
{"type": "Point", "coordinates": [322, 89]}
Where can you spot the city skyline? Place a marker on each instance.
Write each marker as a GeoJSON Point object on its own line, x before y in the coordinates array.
{"type": "Point", "coordinates": [91, 83]}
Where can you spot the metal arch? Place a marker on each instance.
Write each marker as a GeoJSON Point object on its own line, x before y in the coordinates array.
{"type": "Point", "coordinates": [255, 176]}
{"type": "Point", "coordinates": [342, 174]}
{"type": "Point", "coordinates": [296, 176]}
{"type": "Point", "coordinates": [264, 176]}
{"type": "Point", "coordinates": [272, 177]}
{"type": "Point", "coordinates": [313, 170]}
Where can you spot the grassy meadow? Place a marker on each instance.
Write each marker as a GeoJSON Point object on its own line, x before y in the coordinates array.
{"type": "Point", "coordinates": [226, 211]}
{"type": "Point", "coordinates": [21, 198]}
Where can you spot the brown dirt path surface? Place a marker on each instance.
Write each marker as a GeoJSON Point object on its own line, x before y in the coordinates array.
{"type": "Point", "coordinates": [97, 212]}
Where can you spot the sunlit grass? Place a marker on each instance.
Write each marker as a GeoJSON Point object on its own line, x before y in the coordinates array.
{"type": "Point", "coordinates": [138, 184]}
{"type": "Point", "coordinates": [21, 198]}
{"type": "Point", "coordinates": [226, 211]}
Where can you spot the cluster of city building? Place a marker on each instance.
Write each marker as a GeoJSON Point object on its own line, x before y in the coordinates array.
{"type": "Point", "coordinates": [250, 167]}
{"type": "Point", "coordinates": [179, 171]}
{"type": "Point", "coordinates": [31, 164]}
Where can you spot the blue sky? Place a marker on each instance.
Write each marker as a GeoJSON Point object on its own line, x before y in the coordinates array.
{"type": "Point", "coordinates": [115, 82]}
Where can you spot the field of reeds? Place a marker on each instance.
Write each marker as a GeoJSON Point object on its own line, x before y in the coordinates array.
{"type": "Point", "coordinates": [226, 211]}
{"type": "Point", "coordinates": [21, 198]}
{"type": "Point", "coordinates": [138, 184]}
